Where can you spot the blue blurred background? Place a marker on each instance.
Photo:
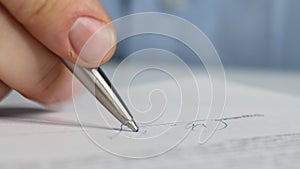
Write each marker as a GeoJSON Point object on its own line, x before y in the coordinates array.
{"type": "Point", "coordinates": [256, 33]}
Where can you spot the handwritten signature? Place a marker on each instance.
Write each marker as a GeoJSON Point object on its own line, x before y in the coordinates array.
{"type": "Point", "coordinates": [194, 125]}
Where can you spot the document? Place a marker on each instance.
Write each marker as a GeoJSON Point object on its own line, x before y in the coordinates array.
{"type": "Point", "coordinates": [257, 129]}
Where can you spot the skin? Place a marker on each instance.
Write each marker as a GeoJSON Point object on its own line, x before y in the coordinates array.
{"type": "Point", "coordinates": [33, 35]}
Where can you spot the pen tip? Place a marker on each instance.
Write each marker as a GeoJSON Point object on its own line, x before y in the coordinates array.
{"type": "Point", "coordinates": [132, 125]}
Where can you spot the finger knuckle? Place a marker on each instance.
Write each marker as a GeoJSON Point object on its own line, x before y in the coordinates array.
{"type": "Point", "coordinates": [30, 9]}
{"type": "Point", "coordinates": [42, 87]}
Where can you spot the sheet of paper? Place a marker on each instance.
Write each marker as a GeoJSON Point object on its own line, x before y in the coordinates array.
{"type": "Point", "coordinates": [259, 129]}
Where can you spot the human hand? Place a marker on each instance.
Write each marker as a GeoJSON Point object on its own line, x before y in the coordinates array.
{"type": "Point", "coordinates": [34, 32]}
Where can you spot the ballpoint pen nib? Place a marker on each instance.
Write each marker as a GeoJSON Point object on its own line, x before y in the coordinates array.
{"type": "Point", "coordinates": [132, 125]}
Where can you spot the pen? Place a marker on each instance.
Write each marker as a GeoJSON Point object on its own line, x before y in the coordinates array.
{"type": "Point", "coordinates": [99, 85]}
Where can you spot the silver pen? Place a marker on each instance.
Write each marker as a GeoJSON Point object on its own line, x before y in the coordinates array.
{"type": "Point", "coordinates": [98, 84]}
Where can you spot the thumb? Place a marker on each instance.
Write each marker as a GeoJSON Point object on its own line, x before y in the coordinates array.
{"type": "Point", "coordinates": [65, 26]}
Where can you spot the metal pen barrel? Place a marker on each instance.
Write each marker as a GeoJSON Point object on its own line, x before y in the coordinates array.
{"type": "Point", "coordinates": [98, 84]}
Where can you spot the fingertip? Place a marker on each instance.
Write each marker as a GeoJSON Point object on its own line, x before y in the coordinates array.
{"type": "Point", "coordinates": [65, 26]}
{"type": "Point", "coordinates": [93, 41]}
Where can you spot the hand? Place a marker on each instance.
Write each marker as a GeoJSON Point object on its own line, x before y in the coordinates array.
{"type": "Point", "coordinates": [33, 31]}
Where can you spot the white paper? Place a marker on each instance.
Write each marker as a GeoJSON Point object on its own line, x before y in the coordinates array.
{"type": "Point", "coordinates": [259, 129]}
